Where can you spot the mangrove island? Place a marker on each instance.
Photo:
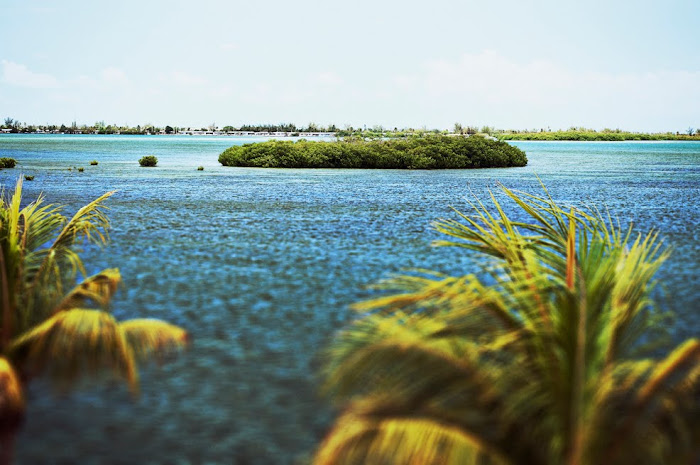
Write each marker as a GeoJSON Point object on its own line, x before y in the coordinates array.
{"type": "Point", "coordinates": [430, 152]}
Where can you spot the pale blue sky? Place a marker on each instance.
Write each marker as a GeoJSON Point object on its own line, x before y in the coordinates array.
{"type": "Point", "coordinates": [510, 64]}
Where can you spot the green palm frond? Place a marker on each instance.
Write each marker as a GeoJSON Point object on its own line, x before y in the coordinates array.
{"type": "Point", "coordinates": [98, 289]}
{"type": "Point", "coordinates": [73, 344]}
{"type": "Point", "coordinates": [11, 218]}
{"type": "Point", "coordinates": [39, 224]}
{"type": "Point", "coordinates": [149, 337]}
{"type": "Point", "coordinates": [89, 222]}
{"type": "Point", "coordinates": [39, 261]}
{"type": "Point", "coordinates": [534, 359]}
{"type": "Point", "coordinates": [10, 261]}
{"type": "Point", "coordinates": [60, 259]}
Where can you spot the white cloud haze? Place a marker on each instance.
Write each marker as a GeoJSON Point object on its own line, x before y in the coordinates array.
{"type": "Point", "coordinates": [16, 74]}
{"type": "Point", "coordinates": [481, 88]}
{"type": "Point", "coordinates": [505, 63]}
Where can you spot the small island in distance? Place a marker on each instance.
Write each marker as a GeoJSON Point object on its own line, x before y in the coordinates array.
{"type": "Point", "coordinates": [428, 152]}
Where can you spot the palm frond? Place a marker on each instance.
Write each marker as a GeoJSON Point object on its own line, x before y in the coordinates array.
{"type": "Point", "coordinates": [12, 208]}
{"type": "Point", "coordinates": [421, 364]}
{"type": "Point", "coordinates": [99, 289]}
{"type": "Point", "coordinates": [380, 355]}
{"type": "Point", "coordinates": [654, 400]}
{"type": "Point", "coordinates": [40, 224]}
{"type": "Point", "coordinates": [153, 338]}
{"type": "Point", "coordinates": [427, 295]}
{"type": "Point", "coordinates": [89, 223]}
{"type": "Point", "coordinates": [374, 440]}
{"type": "Point", "coordinates": [685, 356]}
{"type": "Point", "coordinates": [534, 358]}
{"type": "Point", "coordinates": [73, 344]}
{"type": "Point", "coordinates": [11, 395]}
{"type": "Point", "coordinates": [10, 261]}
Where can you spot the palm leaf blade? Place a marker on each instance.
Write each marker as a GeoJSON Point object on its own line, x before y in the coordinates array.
{"type": "Point", "coordinates": [150, 337]}
{"type": "Point", "coordinates": [369, 439]}
{"type": "Point", "coordinates": [99, 288]}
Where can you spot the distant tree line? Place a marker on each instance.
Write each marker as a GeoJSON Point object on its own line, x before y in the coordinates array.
{"type": "Point", "coordinates": [430, 152]}
{"type": "Point", "coordinates": [99, 127]}
{"type": "Point", "coordinates": [372, 132]}
{"type": "Point", "coordinates": [282, 127]}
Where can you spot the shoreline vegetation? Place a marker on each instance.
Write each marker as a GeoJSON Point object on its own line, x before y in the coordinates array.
{"type": "Point", "coordinates": [589, 135]}
{"type": "Point", "coordinates": [430, 152]}
{"type": "Point", "coordinates": [12, 126]}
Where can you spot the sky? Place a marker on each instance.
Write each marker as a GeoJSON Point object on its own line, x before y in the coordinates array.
{"type": "Point", "coordinates": [512, 64]}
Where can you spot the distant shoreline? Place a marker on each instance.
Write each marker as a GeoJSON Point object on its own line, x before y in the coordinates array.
{"type": "Point", "coordinates": [188, 133]}
{"type": "Point", "coordinates": [553, 136]}
{"type": "Point", "coordinates": [332, 135]}
{"type": "Point", "coordinates": [589, 136]}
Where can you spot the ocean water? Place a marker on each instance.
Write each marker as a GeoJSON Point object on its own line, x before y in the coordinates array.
{"type": "Point", "coordinates": [260, 266]}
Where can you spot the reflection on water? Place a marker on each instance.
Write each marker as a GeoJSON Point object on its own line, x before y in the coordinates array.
{"type": "Point", "coordinates": [260, 265]}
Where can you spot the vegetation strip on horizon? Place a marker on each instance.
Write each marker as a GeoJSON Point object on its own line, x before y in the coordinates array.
{"type": "Point", "coordinates": [588, 135]}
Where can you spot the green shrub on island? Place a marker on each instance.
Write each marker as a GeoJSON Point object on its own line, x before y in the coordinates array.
{"type": "Point", "coordinates": [6, 162]}
{"type": "Point", "coordinates": [28, 177]}
{"type": "Point", "coordinates": [93, 163]}
{"type": "Point", "coordinates": [431, 152]}
{"type": "Point", "coordinates": [148, 160]}
{"type": "Point", "coordinates": [81, 169]}
{"type": "Point", "coordinates": [200, 168]}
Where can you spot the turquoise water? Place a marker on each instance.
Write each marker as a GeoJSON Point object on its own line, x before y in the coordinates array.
{"type": "Point", "coordinates": [260, 266]}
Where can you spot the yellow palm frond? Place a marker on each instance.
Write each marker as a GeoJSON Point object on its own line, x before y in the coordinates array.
{"type": "Point", "coordinates": [684, 356]}
{"type": "Point", "coordinates": [99, 288]}
{"type": "Point", "coordinates": [150, 337]}
{"type": "Point", "coordinates": [11, 395]}
{"type": "Point", "coordinates": [75, 343]}
{"type": "Point", "coordinates": [386, 356]}
{"type": "Point", "coordinates": [383, 440]}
